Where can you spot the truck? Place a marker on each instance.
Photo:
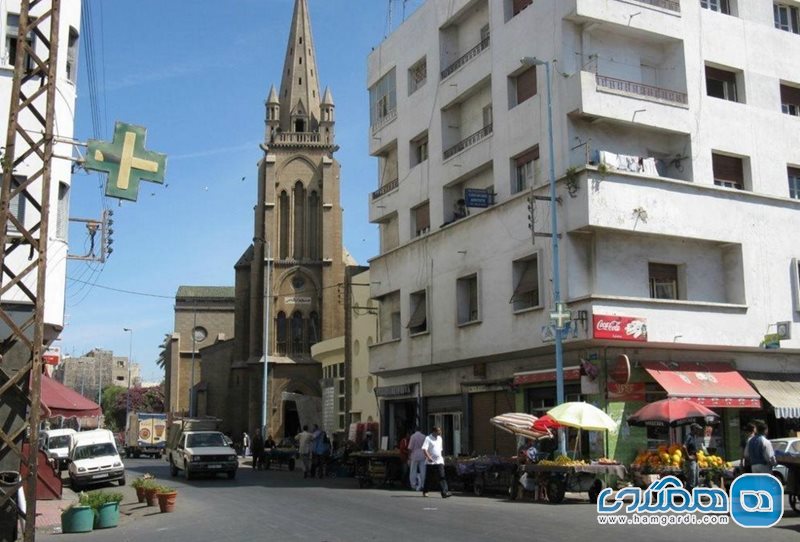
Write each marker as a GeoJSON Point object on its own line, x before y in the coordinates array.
{"type": "Point", "coordinates": [196, 446]}
{"type": "Point", "coordinates": [146, 434]}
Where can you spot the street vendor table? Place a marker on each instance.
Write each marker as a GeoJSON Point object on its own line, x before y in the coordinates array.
{"type": "Point", "coordinates": [558, 479]}
{"type": "Point", "coordinates": [792, 486]}
{"type": "Point", "coordinates": [487, 473]}
{"type": "Point", "coordinates": [377, 468]}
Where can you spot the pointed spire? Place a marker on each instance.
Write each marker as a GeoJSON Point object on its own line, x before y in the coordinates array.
{"type": "Point", "coordinates": [327, 99]}
{"type": "Point", "coordinates": [300, 82]}
{"type": "Point", "coordinates": [273, 96]}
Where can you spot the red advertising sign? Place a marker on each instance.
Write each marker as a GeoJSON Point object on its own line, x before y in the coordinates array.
{"type": "Point", "coordinates": [621, 371]}
{"type": "Point", "coordinates": [51, 356]}
{"type": "Point", "coordinates": [622, 328]}
{"type": "Point", "coordinates": [626, 392]}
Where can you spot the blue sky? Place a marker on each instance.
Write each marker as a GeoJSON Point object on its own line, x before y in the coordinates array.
{"type": "Point", "coordinates": [196, 75]}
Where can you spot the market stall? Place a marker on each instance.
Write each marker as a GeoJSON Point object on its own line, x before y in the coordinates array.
{"type": "Point", "coordinates": [792, 485]}
{"type": "Point", "coordinates": [378, 468]}
{"type": "Point", "coordinates": [554, 478]}
{"type": "Point", "coordinates": [486, 474]}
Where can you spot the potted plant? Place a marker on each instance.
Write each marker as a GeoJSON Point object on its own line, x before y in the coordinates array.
{"type": "Point", "coordinates": [166, 498]}
{"type": "Point", "coordinates": [106, 509]}
{"type": "Point", "coordinates": [138, 484]}
{"type": "Point", "coordinates": [150, 490]}
{"type": "Point", "coordinates": [78, 517]}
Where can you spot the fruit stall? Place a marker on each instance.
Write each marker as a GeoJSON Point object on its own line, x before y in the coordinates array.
{"type": "Point", "coordinates": [378, 468]}
{"type": "Point", "coordinates": [792, 486]}
{"type": "Point", "coordinates": [555, 478]}
{"type": "Point", "coordinates": [650, 465]}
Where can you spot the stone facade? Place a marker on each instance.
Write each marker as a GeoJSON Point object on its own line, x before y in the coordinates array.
{"type": "Point", "coordinates": [95, 369]}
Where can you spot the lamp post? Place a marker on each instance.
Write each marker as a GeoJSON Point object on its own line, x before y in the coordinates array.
{"type": "Point", "coordinates": [130, 360]}
{"type": "Point", "coordinates": [559, 314]}
{"type": "Point", "coordinates": [265, 382]}
{"type": "Point", "coordinates": [191, 378]}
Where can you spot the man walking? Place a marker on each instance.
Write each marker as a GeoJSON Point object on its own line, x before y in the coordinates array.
{"type": "Point", "coordinates": [434, 462]}
{"type": "Point", "coordinates": [692, 445]}
{"type": "Point", "coordinates": [416, 475]}
{"type": "Point", "coordinates": [258, 450]}
{"type": "Point", "coordinates": [304, 439]}
{"type": "Point", "coordinates": [760, 453]}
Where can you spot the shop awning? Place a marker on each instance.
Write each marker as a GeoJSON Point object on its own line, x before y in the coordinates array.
{"type": "Point", "coordinates": [546, 375]}
{"type": "Point", "coordinates": [782, 391]}
{"type": "Point", "coordinates": [59, 400]}
{"type": "Point", "coordinates": [711, 384]}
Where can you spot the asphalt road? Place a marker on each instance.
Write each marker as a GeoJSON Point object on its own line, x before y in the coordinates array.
{"type": "Point", "coordinates": [281, 505]}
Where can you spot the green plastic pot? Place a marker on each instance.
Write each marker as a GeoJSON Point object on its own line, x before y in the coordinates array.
{"type": "Point", "coordinates": [107, 516]}
{"type": "Point", "coordinates": [78, 519]}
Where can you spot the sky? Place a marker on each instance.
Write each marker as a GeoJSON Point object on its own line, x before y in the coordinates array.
{"type": "Point", "coordinates": [196, 75]}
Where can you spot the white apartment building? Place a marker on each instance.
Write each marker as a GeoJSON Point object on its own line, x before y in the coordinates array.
{"type": "Point", "coordinates": [676, 127]}
{"type": "Point", "coordinates": [14, 301]}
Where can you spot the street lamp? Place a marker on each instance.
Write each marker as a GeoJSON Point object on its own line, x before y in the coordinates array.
{"type": "Point", "coordinates": [191, 381]}
{"type": "Point", "coordinates": [128, 395]}
{"type": "Point", "coordinates": [265, 381]}
{"type": "Point", "coordinates": [559, 314]}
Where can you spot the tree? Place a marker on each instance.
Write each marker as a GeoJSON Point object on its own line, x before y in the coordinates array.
{"type": "Point", "coordinates": [109, 405]}
{"type": "Point", "coordinates": [115, 403]}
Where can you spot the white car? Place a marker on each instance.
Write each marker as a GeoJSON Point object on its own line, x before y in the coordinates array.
{"type": "Point", "coordinates": [56, 443]}
{"type": "Point", "coordinates": [788, 446]}
{"type": "Point", "coordinates": [94, 459]}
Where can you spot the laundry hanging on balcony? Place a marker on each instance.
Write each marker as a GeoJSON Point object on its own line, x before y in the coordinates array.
{"type": "Point", "coordinates": [623, 162]}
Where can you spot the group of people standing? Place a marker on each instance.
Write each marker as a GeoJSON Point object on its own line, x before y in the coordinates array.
{"type": "Point", "coordinates": [257, 447]}
{"type": "Point", "coordinates": [315, 450]}
{"type": "Point", "coordinates": [423, 456]}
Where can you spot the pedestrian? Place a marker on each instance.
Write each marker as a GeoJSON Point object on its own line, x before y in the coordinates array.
{"type": "Point", "coordinates": [304, 448]}
{"type": "Point", "coordinates": [269, 443]}
{"type": "Point", "coordinates": [246, 444]}
{"type": "Point", "coordinates": [759, 450]}
{"type": "Point", "coordinates": [749, 433]}
{"type": "Point", "coordinates": [258, 450]}
{"type": "Point", "coordinates": [321, 450]}
{"type": "Point", "coordinates": [402, 446]}
{"type": "Point", "coordinates": [692, 445]}
{"type": "Point", "coordinates": [416, 471]}
{"type": "Point", "coordinates": [434, 462]}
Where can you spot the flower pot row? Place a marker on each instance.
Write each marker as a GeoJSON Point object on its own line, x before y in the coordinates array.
{"type": "Point", "coordinates": [148, 491]}
{"type": "Point", "coordinates": [93, 511]}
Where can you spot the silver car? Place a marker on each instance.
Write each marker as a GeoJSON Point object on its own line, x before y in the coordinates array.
{"type": "Point", "coordinates": [790, 446]}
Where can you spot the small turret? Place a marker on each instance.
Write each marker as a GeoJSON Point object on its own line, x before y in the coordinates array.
{"type": "Point", "coordinates": [327, 110]}
{"type": "Point", "coordinates": [273, 114]}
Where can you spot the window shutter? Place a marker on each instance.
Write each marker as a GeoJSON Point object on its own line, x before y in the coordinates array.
{"type": "Point", "coordinates": [527, 156]}
{"type": "Point", "coordinates": [720, 75]}
{"type": "Point", "coordinates": [519, 5]}
{"type": "Point", "coordinates": [420, 314]}
{"type": "Point", "coordinates": [423, 218]}
{"type": "Point", "coordinates": [790, 95]}
{"type": "Point", "coordinates": [526, 84]}
{"type": "Point", "coordinates": [528, 282]}
{"type": "Point", "coordinates": [728, 168]}
{"type": "Point", "coordinates": [661, 271]}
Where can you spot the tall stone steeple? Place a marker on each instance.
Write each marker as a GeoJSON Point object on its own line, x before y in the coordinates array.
{"type": "Point", "coordinates": [299, 94]}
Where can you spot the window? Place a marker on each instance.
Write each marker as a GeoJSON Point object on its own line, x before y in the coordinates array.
{"type": "Point", "coordinates": [72, 55]}
{"type": "Point", "coordinates": [419, 149]}
{"type": "Point", "coordinates": [467, 298]}
{"type": "Point", "coordinates": [525, 276]}
{"type": "Point", "coordinates": [794, 182]}
{"type": "Point", "coordinates": [62, 227]}
{"type": "Point", "coordinates": [524, 85]}
{"type": "Point", "coordinates": [790, 100]}
{"type": "Point", "coordinates": [786, 17]}
{"type": "Point", "coordinates": [389, 316]}
{"type": "Point", "coordinates": [417, 75]}
{"type": "Point", "coordinates": [722, 6]}
{"type": "Point", "coordinates": [419, 313]}
{"type": "Point", "coordinates": [12, 33]}
{"type": "Point", "coordinates": [728, 171]}
{"type": "Point", "coordinates": [524, 175]}
{"type": "Point", "coordinates": [488, 116]}
{"type": "Point", "coordinates": [519, 5]}
{"type": "Point", "coordinates": [422, 219]}
{"type": "Point", "coordinates": [383, 98]}
{"type": "Point", "coordinates": [663, 281]}
{"type": "Point", "coordinates": [395, 325]}
{"type": "Point", "coordinates": [484, 33]}
{"type": "Point", "coordinates": [721, 84]}
{"type": "Point", "coordinates": [796, 281]}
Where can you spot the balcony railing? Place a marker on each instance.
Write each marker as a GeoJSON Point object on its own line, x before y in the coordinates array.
{"type": "Point", "coordinates": [384, 120]}
{"type": "Point", "coordinates": [298, 138]}
{"type": "Point", "coordinates": [631, 88]}
{"type": "Point", "coordinates": [466, 57]}
{"type": "Point", "coordinates": [469, 141]}
{"type": "Point", "coordinates": [385, 189]}
{"type": "Point", "coordinates": [671, 5]}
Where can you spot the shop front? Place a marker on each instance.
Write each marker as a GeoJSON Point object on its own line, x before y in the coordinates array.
{"type": "Point", "coordinates": [781, 409]}
{"type": "Point", "coordinates": [400, 406]}
{"type": "Point", "coordinates": [487, 400]}
{"type": "Point", "coordinates": [446, 412]}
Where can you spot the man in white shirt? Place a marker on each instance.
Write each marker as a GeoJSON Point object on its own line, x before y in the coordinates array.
{"type": "Point", "coordinates": [304, 444]}
{"type": "Point", "coordinates": [434, 462]}
{"type": "Point", "coordinates": [416, 475]}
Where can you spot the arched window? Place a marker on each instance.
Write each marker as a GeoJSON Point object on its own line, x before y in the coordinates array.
{"type": "Point", "coordinates": [299, 220]}
{"type": "Point", "coordinates": [283, 210]}
{"type": "Point", "coordinates": [314, 219]}
{"type": "Point", "coordinates": [313, 329]}
{"type": "Point", "coordinates": [280, 333]}
{"type": "Point", "coordinates": [297, 333]}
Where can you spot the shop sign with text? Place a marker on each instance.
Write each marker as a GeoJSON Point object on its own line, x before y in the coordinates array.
{"type": "Point", "coordinates": [621, 328]}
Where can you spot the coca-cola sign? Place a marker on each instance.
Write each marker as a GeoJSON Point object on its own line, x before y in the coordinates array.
{"type": "Point", "coordinates": [621, 328]}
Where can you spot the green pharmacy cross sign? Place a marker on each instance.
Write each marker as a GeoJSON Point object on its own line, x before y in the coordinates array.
{"type": "Point", "coordinates": [126, 161]}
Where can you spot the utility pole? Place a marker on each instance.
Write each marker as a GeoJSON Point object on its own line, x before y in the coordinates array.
{"type": "Point", "coordinates": [265, 382]}
{"type": "Point", "coordinates": [29, 147]}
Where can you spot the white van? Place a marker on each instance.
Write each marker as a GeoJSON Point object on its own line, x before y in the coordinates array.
{"type": "Point", "coordinates": [56, 443]}
{"type": "Point", "coordinates": [94, 459]}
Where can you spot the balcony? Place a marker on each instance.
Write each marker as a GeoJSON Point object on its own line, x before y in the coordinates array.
{"type": "Point", "coordinates": [641, 91]}
{"type": "Point", "coordinates": [466, 58]}
{"type": "Point", "coordinates": [469, 141]}
{"type": "Point", "coordinates": [311, 139]}
{"type": "Point", "coordinates": [672, 5]}
{"type": "Point", "coordinates": [386, 188]}
{"type": "Point", "coordinates": [384, 121]}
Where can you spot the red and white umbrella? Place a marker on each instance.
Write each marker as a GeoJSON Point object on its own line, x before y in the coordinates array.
{"type": "Point", "coordinates": [673, 412]}
{"type": "Point", "coordinates": [519, 423]}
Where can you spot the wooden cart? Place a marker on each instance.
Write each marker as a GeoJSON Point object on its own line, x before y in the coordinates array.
{"type": "Point", "coordinates": [377, 468]}
{"type": "Point", "coordinates": [792, 485]}
{"type": "Point", "coordinates": [486, 474]}
{"type": "Point", "coordinates": [558, 479]}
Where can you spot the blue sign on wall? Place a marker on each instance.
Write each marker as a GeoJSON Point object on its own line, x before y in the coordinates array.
{"type": "Point", "coordinates": [478, 197]}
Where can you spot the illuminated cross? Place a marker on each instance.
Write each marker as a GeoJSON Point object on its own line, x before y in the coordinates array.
{"type": "Point", "coordinates": [560, 316]}
{"type": "Point", "coordinates": [126, 161]}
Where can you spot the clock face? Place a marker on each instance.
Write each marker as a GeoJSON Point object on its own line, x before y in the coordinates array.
{"type": "Point", "coordinates": [199, 334]}
{"type": "Point", "coordinates": [298, 282]}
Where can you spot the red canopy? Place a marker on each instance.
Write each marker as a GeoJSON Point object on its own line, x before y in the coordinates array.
{"type": "Point", "coordinates": [59, 400]}
{"type": "Point", "coordinates": [712, 384]}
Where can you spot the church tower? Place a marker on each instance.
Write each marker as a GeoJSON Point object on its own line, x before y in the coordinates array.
{"type": "Point", "coordinates": [298, 230]}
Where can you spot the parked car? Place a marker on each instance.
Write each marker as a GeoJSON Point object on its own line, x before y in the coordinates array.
{"type": "Point", "coordinates": [784, 446]}
{"type": "Point", "coordinates": [94, 459]}
{"type": "Point", "coordinates": [285, 453]}
{"type": "Point", "coordinates": [194, 446]}
{"type": "Point", "coordinates": [56, 443]}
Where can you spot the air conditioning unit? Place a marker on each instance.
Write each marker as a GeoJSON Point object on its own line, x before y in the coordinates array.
{"type": "Point", "coordinates": [784, 330]}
